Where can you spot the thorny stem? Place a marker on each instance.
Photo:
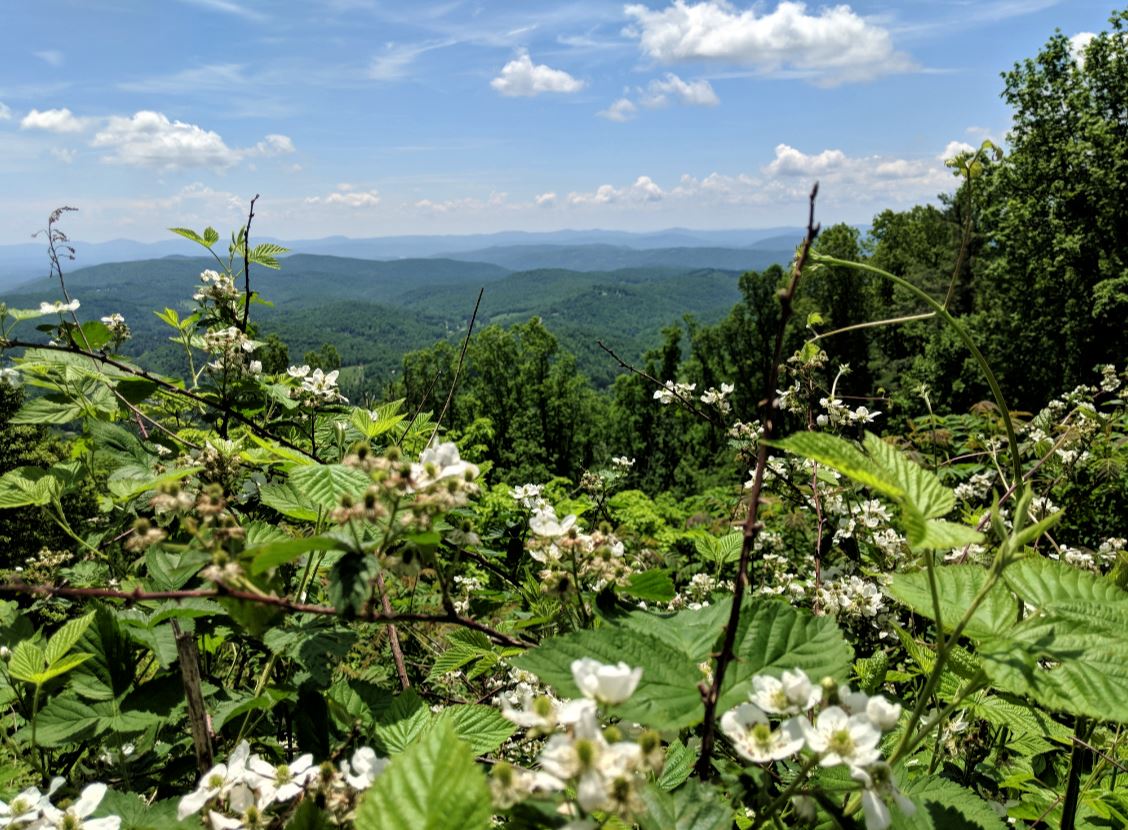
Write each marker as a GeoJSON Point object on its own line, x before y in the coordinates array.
{"type": "Point", "coordinates": [283, 603]}
{"type": "Point", "coordinates": [711, 694]}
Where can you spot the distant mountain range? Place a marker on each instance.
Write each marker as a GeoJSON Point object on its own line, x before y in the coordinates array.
{"type": "Point", "coordinates": [376, 310]}
{"type": "Point", "coordinates": [592, 250]}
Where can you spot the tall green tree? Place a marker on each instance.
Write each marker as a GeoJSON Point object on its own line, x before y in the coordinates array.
{"type": "Point", "coordinates": [1056, 291]}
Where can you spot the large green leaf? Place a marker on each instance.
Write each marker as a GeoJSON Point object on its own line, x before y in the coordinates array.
{"type": "Point", "coordinates": [325, 484]}
{"type": "Point", "coordinates": [50, 409]}
{"type": "Point", "coordinates": [1068, 657]}
{"type": "Point", "coordinates": [272, 554]}
{"type": "Point", "coordinates": [944, 805]}
{"type": "Point", "coordinates": [918, 492]}
{"type": "Point", "coordinates": [289, 501]}
{"type": "Point", "coordinates": [66, 637]}
{"type": "Point", "coordinates": [402, 723]}
{"type": "Point", "coordinates": [773, 637]}
{"type": "Point", "coordinates": [653, 586]}
{"type": "Point", "coordinates": [845, 457]}
{"type": "Point", "coordinates": [26, 486]}
{"type": "Point", "coordinates": [921, 487]}
{"type": "Point", "coordinates": [483, 728]}
{"type": "Point", "coordinates": [434, 785]}
{"type": "Point", "coordinates": [667, 696]}
{"type": "Point", "coordinates": [695, 806]}
{"type": "Point", "coordinates": [1042, 582]}
{"type": "Point", "coordinates": [957, 586]}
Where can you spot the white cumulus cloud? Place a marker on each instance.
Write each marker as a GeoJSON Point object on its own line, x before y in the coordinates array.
{"type": "Point", "coordinates": [791, 162]}
{"type": "Point", "coordinates": [53, 121]}
{"type": "Point", "coordinates": [347, 195]}
{"type": "Point", "coordinates": [622, 110]}
{"type": "Point", "coordinates": [832, 45]}
{"type": "Point", "coordinates": [151, 139]}
{"type": "Point", "coordinates": [954, 148]}
{"type": "Point", "coordinates": [545, 199]}
{"type": "Point", "coordinates": [644, 189]}
{"type": "Point", "coordinates": [660, 92]}
{"type": "Point", "coordinates": [1078, 44]}
{"type": "Point", "coordinates": [523, 78]}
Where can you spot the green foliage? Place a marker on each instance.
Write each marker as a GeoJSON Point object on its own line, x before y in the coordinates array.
{"type": "Point", "coordinates": [433, 785]}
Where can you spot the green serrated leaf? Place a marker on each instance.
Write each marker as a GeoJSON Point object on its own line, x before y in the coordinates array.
{"type": "Point", "coordinates": [843, 456]}
{"type": "Point", "coordinates": [403, 722]}
{"type": "Point", "coordinates": [957, 586]}
{"type": "Point", "coordinates": [695, 806]}
{"type": "Point", "coordinates": [28, 486]}
{"type": "Point", "coordinates": [272, 554]}
{"type": "Point", "coordinates": [679, 764]}
{"type": "Point", "coordinates": [434, 785]}
{"type": "Point", "coordinates": [325, 484]}
{"type": "Point", "coordinates": [483, 728]}
{"type": "Point", "coordinates": [652, 586]}
{"type": "Point", "coordinates": [26, 662]}
{"type": "Point", "coordinates": [944, 805]}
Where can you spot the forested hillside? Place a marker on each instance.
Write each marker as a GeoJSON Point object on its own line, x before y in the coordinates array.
{"type": "Point", "coordinates": [309, 542]}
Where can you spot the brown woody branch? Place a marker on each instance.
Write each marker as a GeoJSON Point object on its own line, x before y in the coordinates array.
{"type": "Point", "coordinates": [287, 605]}
{"type": "Point", "coordinates": [711, 693]}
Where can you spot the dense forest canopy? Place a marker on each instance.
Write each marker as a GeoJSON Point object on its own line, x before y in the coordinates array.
{"type": "Point", "coordinates": [847, 551]}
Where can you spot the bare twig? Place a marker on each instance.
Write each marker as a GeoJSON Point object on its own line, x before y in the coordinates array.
{"type": "Point", "coordinates": [198, 723]}
{"type": "Point", "coordinates": [458, 368]}
{"type": "Point", "coordinates": [393, 634]}
{"type": "Point", "coordinates": [684, 401]}
{"type": "Point", "coordinates": [710, 694]}
{"type": "Point", "coordinates": [288, 605]}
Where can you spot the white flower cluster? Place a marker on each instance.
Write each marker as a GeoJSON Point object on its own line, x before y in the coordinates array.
{"type": "Point", "coordinates": [838, 413]}
{"type": "Point", "coordinates": [673, 391]}
{"type": "Point", "coordinates": [598, 559]}
{"type": "Point", "coordinates": [315, 385]}
{"type": "Point", "coordinates": [1110, 380]}
{"type": "Point", "coordinates": [622, 462]}
{"type": "Point", "coordinates": [231, 349]}
{"type": "Point", "coordinates": [850, 596]}
{"type": "Point", "coordinates": [58, 307]}
{"type": "Point", "coordinates": [33, 810]}
{"type": "Point", "coordinates": [218, 289]}
{"type": "Point", "coordinates": [846, 731]}
{"type": "Point", "coordinates": [604, 771]}
{"type": "Point", "coordinates": [975, 488]}
{"type": "Point", "coordinates": [9, 376]}
{"type": "Point", "coordinates": [718, 398]}
{"type": "Point", "coordinates": [238, 793]}
{"type": "Point", "coordinates": [528, 496]}
{"type": "Point", "coordinates": [1111, 549]}
{"type": "Point", "coordinates": [119, 330]}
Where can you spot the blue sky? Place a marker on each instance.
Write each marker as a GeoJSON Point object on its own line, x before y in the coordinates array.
{"type": "Point", "coordinates": [374, 118]}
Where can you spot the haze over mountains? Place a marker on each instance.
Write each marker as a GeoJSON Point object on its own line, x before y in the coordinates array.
{"type": "Point", "coordinates": [585, 250]}
{"type": "Point", "coordinates": [396, 294]}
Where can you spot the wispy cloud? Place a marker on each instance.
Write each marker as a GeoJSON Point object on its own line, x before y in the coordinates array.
{"type": "Point", "coordinates": [229, 7]}
{"type": "Point", "coordinates": [396, 59]}
{"type": "Point", "coordinates": [51, 57]}
{"type": "Point", "coordinates": [207, 78]}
